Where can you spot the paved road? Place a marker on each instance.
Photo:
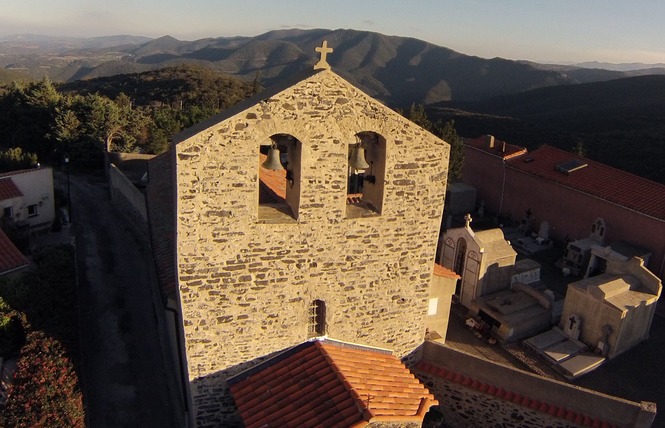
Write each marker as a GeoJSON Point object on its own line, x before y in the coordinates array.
{"type": "Point", "coordinates": [125, 382]}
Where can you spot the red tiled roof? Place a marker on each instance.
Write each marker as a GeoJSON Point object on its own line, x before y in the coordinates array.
{"type": "Point", "coordinates": [16, 172]}
{"type": "Point", "coordinates": [500, 148]}
{"type": "Point", "coordinates": [10, 257]}
{"type": "Point", "coordinates": [444, 272]}
{"type": "Point", "coordinates": [596, 179]}
{"type": "Point", "coordinates": [354, 198]}
{"type": "Point", "coordinates": [331, 384]}
{"type": "Point", "coordinates": [272, 184]}
{"type": "Point", "coordinates": [161, 220]}
{"type": "Point", "coordinates": [577, 418]}
{"type": "Point", "coordinates": [8, 189]}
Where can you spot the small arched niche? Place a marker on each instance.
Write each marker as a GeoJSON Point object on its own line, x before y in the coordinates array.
{"type": "Point", "coordinates": [279, 179]}
{"type": "Point", "coordinates": [366, 175]}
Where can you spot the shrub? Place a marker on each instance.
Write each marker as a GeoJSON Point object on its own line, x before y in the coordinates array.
{"type": "Point", "coordinates": [12, 335]}
{"type": "Point", "coordinates": [47, 295]}
{"type": "Point", "coordinates": [45, 390]}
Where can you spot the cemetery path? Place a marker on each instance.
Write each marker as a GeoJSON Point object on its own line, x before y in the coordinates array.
{"type": "Point", "coordinates": [124, 377]}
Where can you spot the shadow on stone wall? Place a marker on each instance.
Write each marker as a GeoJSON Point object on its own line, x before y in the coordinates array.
{"type": "Point", "coordinates": [213, 404]}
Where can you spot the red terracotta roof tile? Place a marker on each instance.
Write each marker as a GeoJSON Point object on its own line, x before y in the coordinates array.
{"type": "Point", "coordinates": [329, 383]}
{"type": "Point", "coordinates": [8, 189]}
{"type": "Point", "coordinates": [444, 272]}
{"type": "Point", "coordinates": [354, 198]}
{"type": "Point", "coordinates": [500, 148]}
{"type": "Point", "coordinates": [18, 171]}
{"type": "Point", "coordinates": [596, 179]}
{"type": "Point", "coordinates": [10, 257]}
{"type": "Point", "coordinates": [272, 184]}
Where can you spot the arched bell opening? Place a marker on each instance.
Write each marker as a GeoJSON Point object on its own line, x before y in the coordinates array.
{"type": "Point", "coordinates": [279, 178]}
{"type": "Point", "coordinates": [366, 174]}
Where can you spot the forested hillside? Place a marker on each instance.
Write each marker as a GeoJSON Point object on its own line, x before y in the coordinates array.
{"type": "Point", "coordinates": [137, 112]}
{"type": "Point", "coordinates": [618, 122]}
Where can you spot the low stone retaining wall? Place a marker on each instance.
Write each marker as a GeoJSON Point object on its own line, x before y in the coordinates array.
{"type": "Point", "coordinates": [473, 392]}
{"type": "Point", "coordinates": [129, 201]}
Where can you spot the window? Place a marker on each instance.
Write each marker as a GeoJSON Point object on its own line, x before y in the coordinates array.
{"type": "Point", "coordinates": [32, 210]}
{"type": "Point", "coordinates": [433, 306]}
{"type": "Point", "coordinates": [366, 175]}
{"type": "Point", "coordinates": [7, 213]}
{"type": "Point", "coordinates": [460, 255]}
{"type": "Point", "coordinates": [317, 318]}
{"type": "Point", "coordinates": [279, 179]}
{"type": "Point", "coordinates": [458, 266]}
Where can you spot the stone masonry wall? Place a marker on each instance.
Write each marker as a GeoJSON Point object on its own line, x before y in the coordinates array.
{"type": "Point", "coordinates": [467, 408]}
{"type": "Point", "coordinates": [245, 286]}
{"type": "Point", "coordinates": [473, 392]}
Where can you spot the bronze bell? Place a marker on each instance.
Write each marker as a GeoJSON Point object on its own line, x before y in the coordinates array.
{"type": "Point", "coordinates": [272, 162]}
{"type": "Point", "coordinates": [357, 158]}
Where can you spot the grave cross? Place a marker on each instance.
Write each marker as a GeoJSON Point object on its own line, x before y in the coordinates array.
{"type": "Point", "coordinates": [324, 51]}
{"type": "Point", "coordinates": [467, 220]}
{"type": "Point", "coordinates": [572, 322]}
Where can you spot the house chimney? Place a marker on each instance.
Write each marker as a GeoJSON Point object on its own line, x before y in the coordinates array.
{"type": "Point", "coordinates": [490, 141]}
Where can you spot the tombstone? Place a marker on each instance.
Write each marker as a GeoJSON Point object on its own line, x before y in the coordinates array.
{"type": "Point", "coordinates": [525, 223]}
{"type": "Point", "coordinates": [550, 295]}
{"type": "Point", "coordinates": [544, 231]}
{"type": "Point", "coordinates": [598, 230]}
{"type": "Point", "coordinates": [603, 347]}
{"type": "Point", "coordinates": [481, 209]}
{"type": "Point", "coordinates": [571, 326]}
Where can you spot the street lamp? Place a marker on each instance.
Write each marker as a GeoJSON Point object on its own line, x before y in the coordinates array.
{"type": "Point", "coordinates": [69, 199]}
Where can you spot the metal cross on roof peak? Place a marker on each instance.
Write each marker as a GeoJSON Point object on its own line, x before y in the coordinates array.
{"type": "Point", "coordinates": [324, 50]}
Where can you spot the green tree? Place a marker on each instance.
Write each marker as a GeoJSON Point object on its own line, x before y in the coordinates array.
{"type": "Point", "coordinates": [104, 120]}
{"type": "Point", "coordinates": [163, 126]}
{"type": "Point", "coordinates": [418, 115]}
{"type": "Point", "coordinates": [256, 84]}
{"type": "Point", "coordinates": [579, 149]}
{"type": "Point", "coordinates": [448, 134]}
{"type": "Point", "coordinates": [95, 119]}
{"type": "Point", "coordinates": [445, 131]}
{"type": "Point", "coordinates": [27, 114]}
{"type": "Point", "coordinates": [15, 158]}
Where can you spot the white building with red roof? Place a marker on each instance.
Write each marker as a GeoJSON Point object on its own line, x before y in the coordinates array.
{"type": "Point", "coordinates": [26, 197]}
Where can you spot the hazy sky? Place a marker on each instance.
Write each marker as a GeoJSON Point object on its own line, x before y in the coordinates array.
{"type": "Point", "coordinates": [539, 30]}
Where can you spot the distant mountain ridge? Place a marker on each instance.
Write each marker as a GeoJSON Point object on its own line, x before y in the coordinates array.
{"type": "Point", "coordinates": [397, 70]}
{"type": "Point", "coordinates": [628, 66]}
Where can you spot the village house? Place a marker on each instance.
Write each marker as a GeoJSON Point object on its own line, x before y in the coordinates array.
{"type": "Point", "coordinates": [26, 198]}
{"type": "Point", "coordinates": [26, 206]}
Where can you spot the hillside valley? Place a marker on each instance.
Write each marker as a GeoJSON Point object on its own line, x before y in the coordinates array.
{"type": "Point", "coordinates": [396, 70]}
{"type": "Point", "coordinates": [612, 115]}
{"type": "Point", "coordinates": [615, 122]}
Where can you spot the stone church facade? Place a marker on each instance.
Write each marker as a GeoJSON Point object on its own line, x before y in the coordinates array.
{"type": "Point", "coordinates": [255, 279]}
